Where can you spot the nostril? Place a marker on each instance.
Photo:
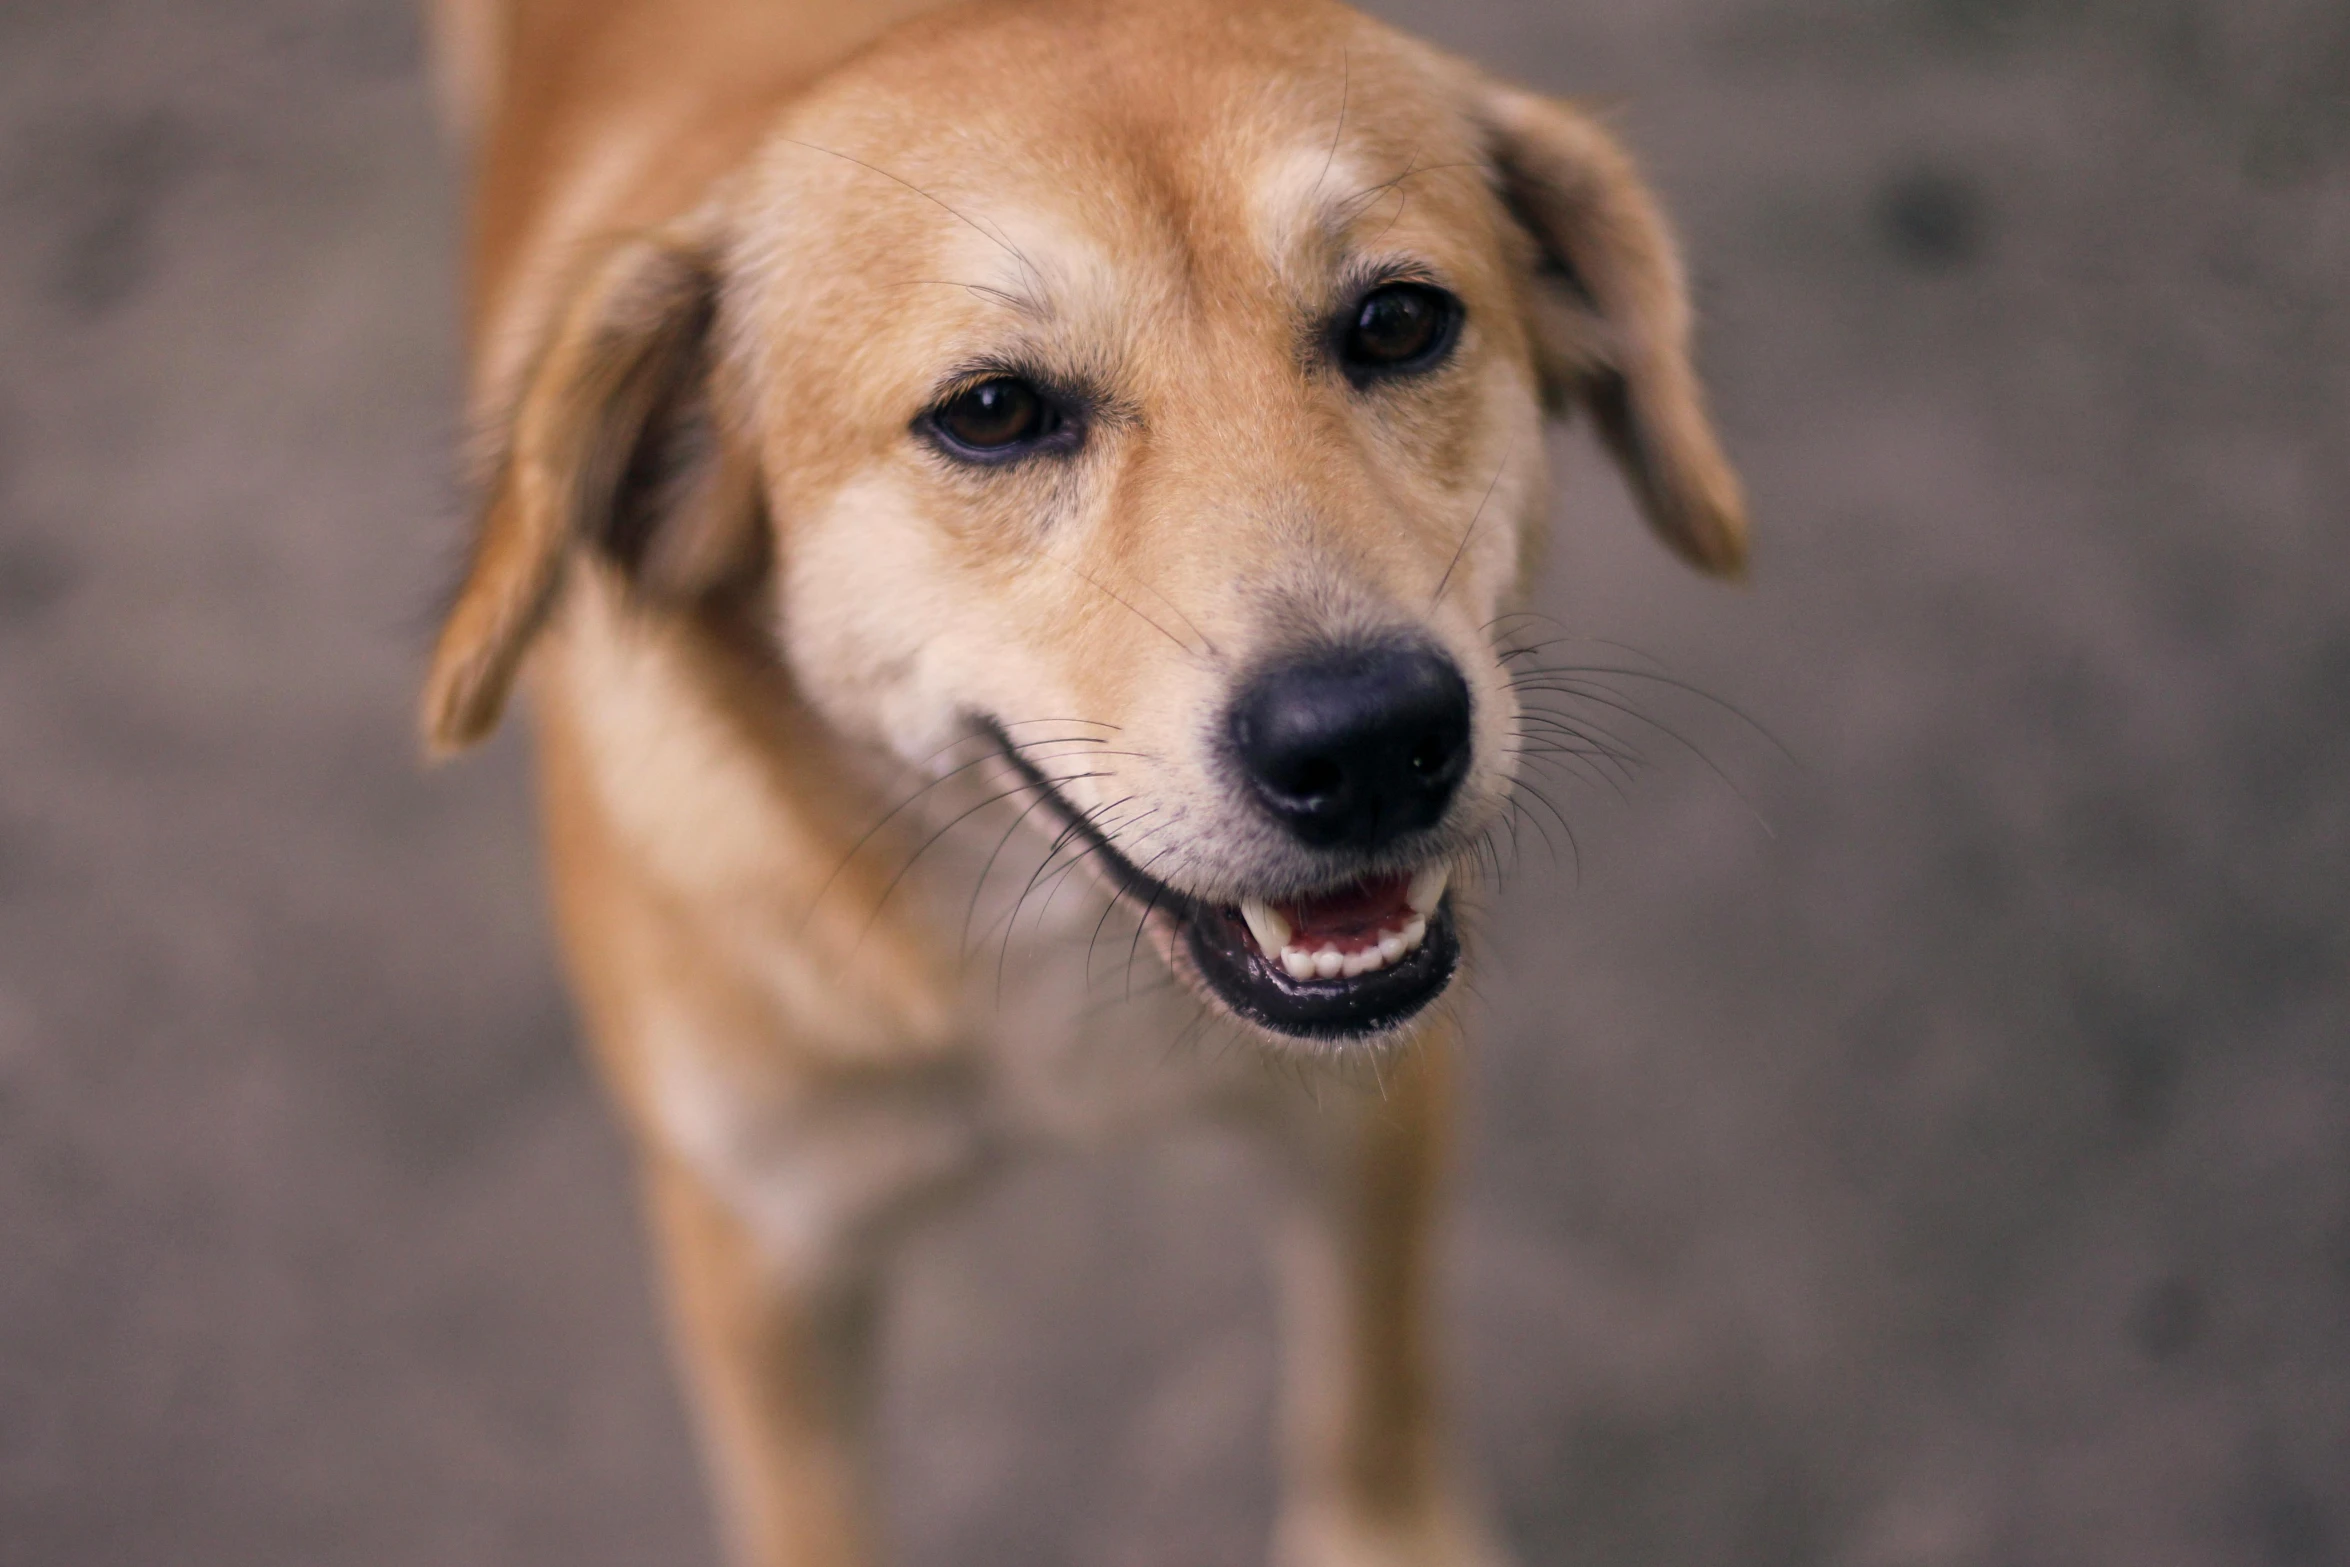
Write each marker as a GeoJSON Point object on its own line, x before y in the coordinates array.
{"type": "Point", "coordinates": [1317, 776]}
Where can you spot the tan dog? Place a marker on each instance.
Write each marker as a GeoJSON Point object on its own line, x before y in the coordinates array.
{"type": "Point", "coordinates": [1121, 418]}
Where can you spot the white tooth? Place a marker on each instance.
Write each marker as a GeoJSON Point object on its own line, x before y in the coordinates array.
{"type": "Point", "coordinates": [1413, 934]}
{"type": "Point", "coordinates": [1328, 963]}
{"type": "Point", "coordinates": [1391, 946]}
{"type": "Point", "coordinates": [1266, 924]}
{"type": "Point", "coordinates": [1297, 962]}
{"type": "Point", "coordinates": [1427, 888]}
{"type": "Point", "coordinates": [1360, 962]}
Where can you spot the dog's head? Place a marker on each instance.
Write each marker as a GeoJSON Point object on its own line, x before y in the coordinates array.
{"type": "Point", "coordinates": [1164, 379]}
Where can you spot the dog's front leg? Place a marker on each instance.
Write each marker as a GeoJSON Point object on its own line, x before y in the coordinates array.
{"type": "Point", "coordinates": [1367, 1481]}
{"type": "Point", "coordinates": [775, 1213]}
{"type": "Point", "coordinates": [777, 1360]}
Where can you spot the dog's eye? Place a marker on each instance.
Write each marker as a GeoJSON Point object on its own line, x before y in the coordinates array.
{"type": "Point", "coordinates": [996, 416]}
{"type": "Point", "coordinates": [1400, 326]}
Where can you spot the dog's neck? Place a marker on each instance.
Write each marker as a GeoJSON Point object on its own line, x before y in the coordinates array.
{"type": "Point", "coordinates": [724, 802]}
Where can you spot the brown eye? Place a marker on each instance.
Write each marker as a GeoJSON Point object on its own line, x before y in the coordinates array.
{"type": "Point", "coordinates": [1401, 326]}
{"type": "Point", "coordinates": [995, 416]}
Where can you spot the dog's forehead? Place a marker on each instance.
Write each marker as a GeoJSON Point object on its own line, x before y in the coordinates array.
{"type": "Point", "coordinates": [1093, 195]}
{"type": "Point", "coordinates": [1112, 141]}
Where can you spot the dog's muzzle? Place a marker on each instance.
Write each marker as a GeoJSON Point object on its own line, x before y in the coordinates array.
{"type": "Point", "coordinates": [1350, 753]}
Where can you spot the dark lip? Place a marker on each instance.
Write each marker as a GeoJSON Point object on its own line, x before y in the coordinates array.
{"type": "Point", "coordinates": [1229, 964]}
{"type": "Point", "coordinates": [1225, 959]}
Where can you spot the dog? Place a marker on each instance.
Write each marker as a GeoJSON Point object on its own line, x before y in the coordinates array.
{"type": "Point", "coordinates": [1108, 435]}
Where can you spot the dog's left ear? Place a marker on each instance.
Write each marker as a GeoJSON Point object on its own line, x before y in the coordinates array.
{"type": "Point", "coordinates": [617, 445]}
{"type": "Point", "coordinates": [1610, 317]}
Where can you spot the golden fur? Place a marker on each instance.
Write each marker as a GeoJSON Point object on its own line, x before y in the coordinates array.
{"type": "Point", "coordinates": [724, 254]}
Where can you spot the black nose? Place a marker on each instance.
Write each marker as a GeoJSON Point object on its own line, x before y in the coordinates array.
{"type": "Point", "coordinates": [1355, 748]}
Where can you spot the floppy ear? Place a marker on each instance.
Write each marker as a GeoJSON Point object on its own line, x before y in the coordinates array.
{"type": "Point", "coordinates": [616, 445]}
{"type": "Point", "coordinates": [1610, 318]}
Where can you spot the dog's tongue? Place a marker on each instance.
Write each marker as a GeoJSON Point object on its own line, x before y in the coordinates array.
{"type": "Point", "coordinates": [1351, 916]}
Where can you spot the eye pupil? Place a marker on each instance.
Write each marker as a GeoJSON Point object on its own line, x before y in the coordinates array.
{"type": "Point", "coordinates": [995, 414]}
{"type": "Point", "coordinates": [1397, 325]}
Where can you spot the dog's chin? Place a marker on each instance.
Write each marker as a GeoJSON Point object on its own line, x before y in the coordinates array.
{"type": "Point", "coordinates": [1227, 962]}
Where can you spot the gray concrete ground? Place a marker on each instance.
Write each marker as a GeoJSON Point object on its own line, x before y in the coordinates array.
{"type": "Point", "coordinates": [1957, 1174]}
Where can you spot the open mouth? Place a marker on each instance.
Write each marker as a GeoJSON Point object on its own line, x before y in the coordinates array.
{"type": "Point", "coordinates": [1344, 963]}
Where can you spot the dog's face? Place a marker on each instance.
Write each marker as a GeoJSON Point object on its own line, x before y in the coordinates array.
{"type": "Point", "coordinates": [1159, 391]}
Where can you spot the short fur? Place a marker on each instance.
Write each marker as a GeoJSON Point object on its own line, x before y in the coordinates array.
{"type": "Point", "coordinates": [725, 253]}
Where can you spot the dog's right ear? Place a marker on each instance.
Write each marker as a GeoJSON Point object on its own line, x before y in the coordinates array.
{"type": "Point", "coordinates": [617, 444]}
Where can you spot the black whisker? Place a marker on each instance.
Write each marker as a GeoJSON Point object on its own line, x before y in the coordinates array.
{"type": "Point", "coordinates": [1098, 1006]}
{"type": "Point", "coordinates": [1583, 732]}
{"type": "Point", "coordinates": [963, 947]}
{"type": "Point", "coordinates": [1144, 871]}
{"type": "Point", "coordinates": [1012, 920]}
{"type": "Point", "coordinates": [884, 820]}
{"type": "Point", "coordinates": [903, 805]}
{"type": "Point", "coordinates": [1189, 1032]}
{"type": "Point", "coordinates": [1501, 872]}
{"type": "Point", "coordinates": [1699, 692]}
{"type": "Point", "coordinates": [1087, 825]}
{"type": "Point", "coordinates": [928, 843]}
{"type": "Point", "coordinates": [1102, 838]}
{"type": "Point", "coordinates": [1461, 548]}
{"type": "Point", "coordinates": [1105, 588]}
{"type": "Point", "coordinates": [1589, 694]}
{"type": "Point", "coordinates": [1134, 948]}
{"type": "Point", "coordinates": [1509, 824]}
{"type": "Point", "coordinates": [1580, 738]}
{"type": "Point", "coordinates": [1548, 733]}
{"type": "Point", "coordinates": [1028, 723]}
{"type": "Point", "coordinates": [1115, 902]}
{"type": "Point", "coordinates": [1205, 640]}
{"type": "Point", "coordinates": [1568, 757]}
{"type": "Point", "coordinates": [1574, 845]}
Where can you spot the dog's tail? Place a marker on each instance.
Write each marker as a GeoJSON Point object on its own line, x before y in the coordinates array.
{"type": "Point", "coordinates": [467, 41]}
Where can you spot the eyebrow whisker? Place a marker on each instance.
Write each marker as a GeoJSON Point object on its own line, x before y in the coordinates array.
{"type": "Point", "coordinates": [1354, 204]}
{"type": "Point", "coordinates": [1022, 303]}
{"type": "Point", "coordinates": [1345, 92]}
{"type": "Point", "coordinates": [983, 230]}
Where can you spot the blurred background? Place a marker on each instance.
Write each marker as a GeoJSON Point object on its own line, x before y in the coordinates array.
{"type": "Point", "coordinates": [1956, 1172]}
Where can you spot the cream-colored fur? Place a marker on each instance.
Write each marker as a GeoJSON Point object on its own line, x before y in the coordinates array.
{"type": "Point", "coordinates": [725, 255]}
